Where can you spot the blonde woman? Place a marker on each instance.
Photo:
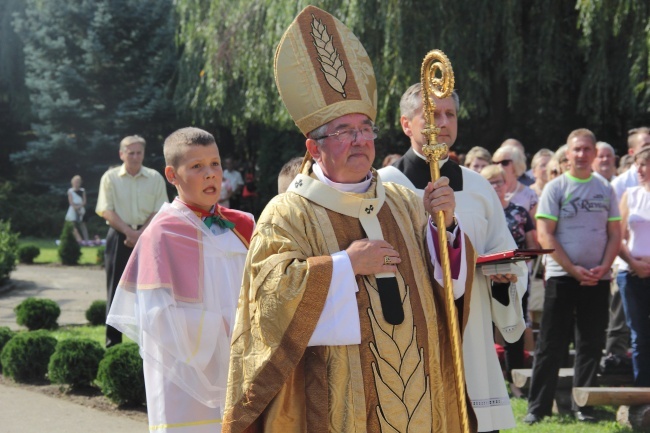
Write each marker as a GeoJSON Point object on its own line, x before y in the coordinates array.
{"type": "Point", "coordinates": [477, 158]}
{"type": "Point", "coordinates": [513, 162]}
{"type": "Point", "coordinates": [538, 165]}
{"type": "Point", "coordinates": [77, 210]}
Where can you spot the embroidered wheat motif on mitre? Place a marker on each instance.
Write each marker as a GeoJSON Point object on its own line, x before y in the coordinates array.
{"type": "Point", "coordinates": [403, 388]}
{"type": "Point", "coordinates": [328, 56]}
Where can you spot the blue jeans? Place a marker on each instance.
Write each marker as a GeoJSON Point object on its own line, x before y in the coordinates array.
{"type": "Point", "coordinates": [635, 293]}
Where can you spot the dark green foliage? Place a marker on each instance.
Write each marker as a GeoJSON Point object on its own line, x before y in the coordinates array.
{"type": "Point", "coordinates": [6, 334]}
{"type": "Point", "coordinates": [27, 253]}
{"type": "Point", "coordinates": [532, 70]}
{"type": "Point", "coordinates": [25, 357]}
{"type": "Point", "coordinates": [100, 255]}
{"type": "Point", "coordinates": [37, 313]}
{"type": "Point", "coordinates": [8, 250]}
{"type": "Point", "coordinates": [85, 64]}
{"type": "Point", "coordinates": [96, 313]}
{"type": "Point", "coordinates": [14, 100]}
{"type": "Point", "coordinates": [18, 206]}
{"type": "Point", "coordinates": [120, 375]}
{"type": "Point", "coordinates": [69, 249]}
{"type": "Point", "coordinates": [75, 362]}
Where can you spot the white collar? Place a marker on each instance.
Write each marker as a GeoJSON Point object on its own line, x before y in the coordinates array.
{"type": "Point", "coordinates": [358, 188]}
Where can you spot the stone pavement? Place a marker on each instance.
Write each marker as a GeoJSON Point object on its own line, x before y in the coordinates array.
{"type": "Point", "coordinates": [27, 411]}
{"type": "Point", "coordinates": [74, 288]}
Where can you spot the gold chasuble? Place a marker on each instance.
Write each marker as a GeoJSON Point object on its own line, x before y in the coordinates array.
{"type": "Point", "coordinates": [399, 379]}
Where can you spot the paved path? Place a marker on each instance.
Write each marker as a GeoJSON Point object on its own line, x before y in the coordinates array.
{"type": "Point", "coordinates": [24, 411]}
{"type": "Point", "coordinates": [74, 288]}
{"type": "Point", "coordinates": [27, 411]}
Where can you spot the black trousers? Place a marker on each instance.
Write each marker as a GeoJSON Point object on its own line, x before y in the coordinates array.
{"type": "Point", "coordinates": [564, 300]}
{"type": "Point", "coordinates": [116, 257]}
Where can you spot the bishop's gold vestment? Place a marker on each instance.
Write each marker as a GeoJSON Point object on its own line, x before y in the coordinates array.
{"type": "Point", "coordinates": [399, 379]}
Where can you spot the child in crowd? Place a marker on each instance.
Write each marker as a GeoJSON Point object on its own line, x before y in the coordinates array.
{"type": "Point", "coordinates": [77, 210]}
{"type": "Point", "coordinates": [178, 295]}
{"type": "Point", "coordinates": [522, 228]}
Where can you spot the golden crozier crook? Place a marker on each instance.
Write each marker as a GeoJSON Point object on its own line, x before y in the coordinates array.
{"type": "Point", "coordinates": [437, 78]}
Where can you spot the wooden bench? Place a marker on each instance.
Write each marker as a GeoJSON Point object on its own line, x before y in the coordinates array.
{"type": "Point", "coordinates": [634, 403]}
{"type": "Point", "coordinates": [611, 396]}
{"type": "Point", "coordinates": [521, 378]}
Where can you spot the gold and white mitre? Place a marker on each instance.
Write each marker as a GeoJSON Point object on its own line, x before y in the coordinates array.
{"type": "Point", "coordinates": [323, 72]}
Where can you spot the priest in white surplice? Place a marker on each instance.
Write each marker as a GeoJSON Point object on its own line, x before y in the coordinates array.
{"type": "Point", "coordinates": [479, 212]}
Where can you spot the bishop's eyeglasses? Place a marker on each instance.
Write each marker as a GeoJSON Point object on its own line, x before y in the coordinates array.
{"type": "Point", "coordinates": [349, 135]}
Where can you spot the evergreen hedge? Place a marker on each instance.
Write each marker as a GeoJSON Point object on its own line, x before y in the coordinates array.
{"type": "Point", "coordinates": [26, 356]}
{"type": "Point", "coordinates": [69, 249]}
{"type": "Point", "coordinates": [96, 313]}
{"type": "Point", "coordinates": [75, 362]}
{"type": "Point", "coordinates": [37, 313]}
{"type": "Point", "coordinates": [120, 375]}
{"type": "Point", "coordinates": [27, 253]}
{"type": "Point", "coordinates": [8, 250]}
{"type": "Point", "coordinates": [6, 334]}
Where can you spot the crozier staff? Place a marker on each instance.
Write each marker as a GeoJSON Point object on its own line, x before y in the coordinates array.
{"type": "Point", "coordinates": [341, 324]}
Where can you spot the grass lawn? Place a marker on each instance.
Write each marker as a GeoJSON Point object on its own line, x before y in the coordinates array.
{"type": "Point", "coordinates": [96, 333]}
{"type": "Point", "coordinates": [49, 252]}
{"type": "Point", "coordinates": [565, 423]}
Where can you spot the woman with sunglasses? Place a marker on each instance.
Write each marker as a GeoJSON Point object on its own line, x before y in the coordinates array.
{"type": "Point", "coordinates": [513, 162]}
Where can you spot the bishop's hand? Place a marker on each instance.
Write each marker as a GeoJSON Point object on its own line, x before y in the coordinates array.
{"type": "Point", "coordinates": [439, 196]}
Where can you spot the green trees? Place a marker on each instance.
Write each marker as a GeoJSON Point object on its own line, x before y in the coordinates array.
{"type": "Point", "coordinates": [529, 69]}
{"type": "Point", "coordinates": [95, 71]}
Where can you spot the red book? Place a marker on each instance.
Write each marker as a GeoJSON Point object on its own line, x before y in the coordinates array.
{"type": "Point", "coordinates": [510, 256]}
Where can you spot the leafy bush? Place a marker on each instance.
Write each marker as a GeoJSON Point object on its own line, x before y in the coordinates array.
{"type": "Point", "coordinates": [37, 313]}
{"type": "Point", "coordinates": [75, 362]}
{"type": "Point", "coordinates": [96, 313]}
{"type": "Point", "coordinates": [26, 355]}
{"type": "Point", "coordinates": [6, 334]}
{"type": "Point", "coordinates": [100, 255]}
{"type": "Point", "coordinates": [8, 250]}
{"type": "Point", "coordinates": [27, 253]}
{"type": "Point", "coordinates": [120, 375]}
{"type": "Point", "coordinates": [69, 249]}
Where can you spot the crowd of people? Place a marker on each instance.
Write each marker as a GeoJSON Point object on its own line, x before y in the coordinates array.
{"type": "Point", "coordinates": [329, 313]}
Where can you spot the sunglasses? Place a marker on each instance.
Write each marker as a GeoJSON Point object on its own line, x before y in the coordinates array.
{"type": "Point", "coordinates": [504, 162]}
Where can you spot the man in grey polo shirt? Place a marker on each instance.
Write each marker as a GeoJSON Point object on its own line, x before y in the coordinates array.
{"type": "Point", "coordinates": [577, 216]}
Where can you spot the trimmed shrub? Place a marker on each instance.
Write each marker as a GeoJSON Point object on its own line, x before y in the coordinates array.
{"type": "Point", "coordinates": [75, 362]}
{"type": "Point", "coordinates": [100, 255]}
{"type": "Point", "coordinates": [96, 313]}
{"type": "Point", "coordinates": [69, 249]}
{"type": "Point", "coordinates": [8, 250]}
{"type": "Point", "coordinates": [120, 375]}
{"type": "Point", "coordinates": [27, 253]}
{"type": "Point", "coordinates": [26, 355]}
{"type": "Point", "coordinates": [37, 313]}
{"type": "Point", "coordinates": [6, 334]}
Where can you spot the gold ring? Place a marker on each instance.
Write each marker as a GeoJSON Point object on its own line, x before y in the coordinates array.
{"type": "Point", "coordinates": [387, 260]}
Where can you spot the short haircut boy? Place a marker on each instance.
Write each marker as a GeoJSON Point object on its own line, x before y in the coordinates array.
{"type": "Point", "coordinates": [177, 140]}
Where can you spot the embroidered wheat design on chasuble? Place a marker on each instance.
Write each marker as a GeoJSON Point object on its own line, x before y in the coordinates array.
{"type": "Point", "coordinates": [328, 56]}
{"type": "Point", "coordinates": [403, 388]}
